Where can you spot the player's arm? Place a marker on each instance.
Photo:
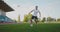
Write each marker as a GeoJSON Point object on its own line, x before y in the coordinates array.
{"type": "Point", "coordinates": [39, 13]}
{"type": "Point", "coordinates": [31, 11]}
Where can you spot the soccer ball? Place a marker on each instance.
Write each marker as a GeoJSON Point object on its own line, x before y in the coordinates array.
{"type": "Point", "coordinates": [31, 25]}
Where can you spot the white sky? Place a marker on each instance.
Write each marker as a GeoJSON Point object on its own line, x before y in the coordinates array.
{"type": "Point", "coordinates": [46, 7]}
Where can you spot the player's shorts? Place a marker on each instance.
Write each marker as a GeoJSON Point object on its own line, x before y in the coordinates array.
{"type": "Point", "coordinates": [34, 17]}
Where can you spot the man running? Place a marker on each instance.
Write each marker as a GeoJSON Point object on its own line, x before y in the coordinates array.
{"type": "Point", "coordinates": [34, 15]}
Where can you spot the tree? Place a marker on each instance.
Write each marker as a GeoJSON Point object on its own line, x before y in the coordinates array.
{"type": "Point", "coordinates": [27, 17]}
{"type": "Point", "coordinates": [44, 19]}
{"type": "Point", "coordinates": [58, 19]}
{"type": "Point", "coordinates": [48, 18]}
{"type": "Point", "coordinates": [15, 21]}
{"type": "Point", "coordinates": [51, 19]}
{"type": "Point", "coordinates": [18, 18]}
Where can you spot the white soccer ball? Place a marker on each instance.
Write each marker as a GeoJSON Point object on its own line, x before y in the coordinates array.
{"type": "Point", "coordinates": [31, 25]}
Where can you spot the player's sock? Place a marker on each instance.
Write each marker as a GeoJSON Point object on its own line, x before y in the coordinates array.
{"type": "Point", "coordinates": [31, 25]}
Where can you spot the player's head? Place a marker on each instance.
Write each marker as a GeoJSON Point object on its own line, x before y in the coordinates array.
{"type": "Point", "coordinates": [36, 7]}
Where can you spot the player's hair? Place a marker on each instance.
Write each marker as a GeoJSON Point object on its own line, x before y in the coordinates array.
{"type": "Point", "coordinates": [36, 7]}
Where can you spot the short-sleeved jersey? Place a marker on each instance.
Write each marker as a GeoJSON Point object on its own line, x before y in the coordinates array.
{"type": "Point", "coordinates": [35, 12]}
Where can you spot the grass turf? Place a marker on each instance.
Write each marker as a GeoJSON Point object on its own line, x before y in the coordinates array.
{"type": "Point", "coordinates": [27, 28]}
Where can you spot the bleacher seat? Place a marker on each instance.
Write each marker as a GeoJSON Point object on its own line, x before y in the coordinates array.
{"type": "Point", "coordinates": [5, 19]}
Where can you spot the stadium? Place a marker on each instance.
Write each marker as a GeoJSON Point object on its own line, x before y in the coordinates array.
{"type": "Point", "coordinates": [4, 8]}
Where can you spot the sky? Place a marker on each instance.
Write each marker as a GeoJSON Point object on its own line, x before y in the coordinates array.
{"type": "Point", "coordinates": [48, 8]}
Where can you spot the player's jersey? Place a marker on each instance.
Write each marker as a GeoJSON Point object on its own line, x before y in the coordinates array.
{"type": "Point", "coordinates": [35, 12]}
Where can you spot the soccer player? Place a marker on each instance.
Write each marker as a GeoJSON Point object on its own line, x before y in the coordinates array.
{"type": "Point", "coordinates": [34, 15]}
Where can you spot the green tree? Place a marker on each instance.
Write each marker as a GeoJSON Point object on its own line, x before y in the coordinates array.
{"type": "Point", "coordinates": [51, 19]}
{"type": "Point", "coordinates": [27, 17]}
{"type": "Point", "coordinates": [44, 19]}
{"type": "Point", "coordinates": [18, 18]}
{"type": "Point", "coordinates": [58, 19]}
{"type": "Point", "coordinates": [15, 20]}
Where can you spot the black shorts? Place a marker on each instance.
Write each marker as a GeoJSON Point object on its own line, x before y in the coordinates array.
{"type": "Point", "coordinates": [34, 17]}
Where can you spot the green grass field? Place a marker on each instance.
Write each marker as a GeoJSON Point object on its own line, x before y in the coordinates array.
{"type": "Point", "coordinates": [26, 28]}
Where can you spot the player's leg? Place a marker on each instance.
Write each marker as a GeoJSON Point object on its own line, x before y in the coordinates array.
{"type": "Point", "coordinates": [31, 22]}
{"type": "Point", "coordinates": [36, 20]}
